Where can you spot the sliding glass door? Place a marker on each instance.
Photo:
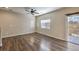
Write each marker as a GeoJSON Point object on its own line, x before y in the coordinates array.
{"type": "Point", "coordinates": [73, 28]}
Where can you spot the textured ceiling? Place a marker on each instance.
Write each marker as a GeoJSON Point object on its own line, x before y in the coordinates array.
{"type": "Point", "coordinates": [40, 10]}
{"type": "Point", "coordinates": [43, 10]}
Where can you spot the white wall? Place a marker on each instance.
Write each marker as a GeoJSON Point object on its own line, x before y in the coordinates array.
{"type": "Point", "coordinates": [58, 23]}
{"type": "Point", "coordinates": [16, 23]}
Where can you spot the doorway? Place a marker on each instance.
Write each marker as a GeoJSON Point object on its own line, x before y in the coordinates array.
{"type": "Point", "coordinates": [73, 28]}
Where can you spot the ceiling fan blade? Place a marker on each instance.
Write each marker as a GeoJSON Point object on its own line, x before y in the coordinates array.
{"type": "Point", "coordinates": [27, 10]}
{"type": "Point", "coordinates": [32, 13]}
{"type": "Point", "coordinates": [33, 10]}
{"type": "Point", "coordinates": [36, 12]}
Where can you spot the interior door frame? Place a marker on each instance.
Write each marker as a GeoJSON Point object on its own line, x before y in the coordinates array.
{"type": "Point", "coordinates": [66, 29]}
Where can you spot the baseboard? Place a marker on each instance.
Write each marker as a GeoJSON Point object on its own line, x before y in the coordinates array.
{"type": "Point", "coordinates": [17, 35]}
{"type": "Point", "coordinates": [57, 38]}
{"type": "Point", "coordinates": [51, 36]}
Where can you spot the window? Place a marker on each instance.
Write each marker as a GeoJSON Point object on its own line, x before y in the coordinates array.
{"type": "Point", "coordinates": [45, 24]}
{"type": "Point", "coordinates": [73, 19]}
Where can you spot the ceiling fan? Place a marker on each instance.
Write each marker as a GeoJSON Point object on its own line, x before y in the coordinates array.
{"type": "Point", "coordinates": [32, 11]}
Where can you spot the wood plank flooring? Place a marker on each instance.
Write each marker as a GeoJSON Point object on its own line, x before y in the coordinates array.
{"type": "Point", "coordinates": [36, 42]}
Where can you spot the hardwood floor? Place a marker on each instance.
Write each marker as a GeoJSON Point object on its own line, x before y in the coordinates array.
{"type": "Point", "coordinates": [36, 42]}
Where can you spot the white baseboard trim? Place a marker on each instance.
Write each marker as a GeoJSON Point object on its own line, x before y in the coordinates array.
{"type": "Point", "coordinates": [51, 36]}
{"type": "Point", "coordinates": [16, 35]}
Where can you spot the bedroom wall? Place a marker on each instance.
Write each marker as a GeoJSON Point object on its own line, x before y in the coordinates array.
{"type": "Point", "coordinates": [16, 23]}
{"type": "Point", "coordinates": [58, 23]}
